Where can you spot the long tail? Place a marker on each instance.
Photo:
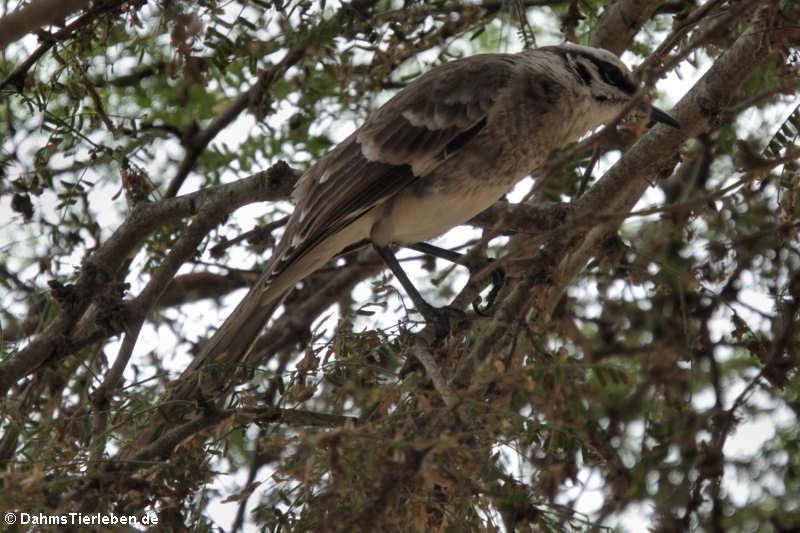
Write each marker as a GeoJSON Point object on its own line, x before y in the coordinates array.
{"type": "Point", "coordinates": [219, 357]}
{"type": "Point", "coordinates": [231, 342]}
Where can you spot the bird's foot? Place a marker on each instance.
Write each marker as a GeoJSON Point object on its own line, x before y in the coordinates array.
{"type": "Point", "coordinates": [498, 281]}
{"type": "Point", "coordinates": [442, 320]}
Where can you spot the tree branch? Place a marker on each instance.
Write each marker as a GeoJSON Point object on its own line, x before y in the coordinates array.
{"type": "Point", "coordinates": [17, 76]}
{"type": "Point", "coordinates": [196, 144]}
{"type": "Point", "coordinates": [102, 266]}
{"type": "Point", "coordinates": [657, 151]}
{"type": "Point", "coordinates": [34, 15]}
{"type": "Point", "coordinates": [620, 22]}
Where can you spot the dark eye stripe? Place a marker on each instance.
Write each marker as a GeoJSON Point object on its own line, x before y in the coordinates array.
{"type": "Point", "coordinates": [612, 75]}
{"type": "Point", "coordinates": [584, 74]}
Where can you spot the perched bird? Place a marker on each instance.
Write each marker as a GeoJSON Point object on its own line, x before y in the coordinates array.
{"type": "Point", "coordinates": [439, 152]}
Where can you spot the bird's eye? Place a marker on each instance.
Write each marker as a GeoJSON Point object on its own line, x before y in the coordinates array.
{"type": "Point", "coordinates": [613, 76]}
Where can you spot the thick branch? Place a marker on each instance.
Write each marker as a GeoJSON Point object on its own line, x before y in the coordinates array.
{"type": "Point", "coordinates": [58, 338]}
{"type": "Point", "coordinates": [17, 77]}
{"type": "Point", "coordinates": [184, 248]}
{"type": "Point", "coordinates": [656, 152]}
{"type": "Point", "coordinates": [266, 414]}
{"type": "Point", "coordinates": [506, 218]}
{"type": "Point", "coordinates": [620, 22]}
{"type": "Point", "coordinates": [33, 16]}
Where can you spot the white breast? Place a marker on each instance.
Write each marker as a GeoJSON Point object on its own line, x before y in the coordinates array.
{"type": "Point", "coordinates": [410, 217]}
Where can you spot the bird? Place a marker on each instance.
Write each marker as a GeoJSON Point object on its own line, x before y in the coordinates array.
{"type": "Point", "coordinates": [441, 150]}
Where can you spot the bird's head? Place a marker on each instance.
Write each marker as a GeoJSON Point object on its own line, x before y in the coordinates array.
{"type": "Point", "coordinates": [608, 81]}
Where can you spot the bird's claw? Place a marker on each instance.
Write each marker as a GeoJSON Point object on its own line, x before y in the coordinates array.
{"type": "Point", "coordinates": [441, 319]}
{"type": "Point", "coordinates": [498, 281]}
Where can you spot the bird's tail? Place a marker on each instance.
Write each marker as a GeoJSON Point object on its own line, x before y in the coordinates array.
{"type": "Point", "coordinates": [229, 345]}
{"type": "Point", "coordinates": [231, 342]}
{"type": "Point", "coordinates": [219, 357]}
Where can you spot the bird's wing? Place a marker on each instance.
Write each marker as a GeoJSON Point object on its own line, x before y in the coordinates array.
{"type": "Point", "coordinates": [424, 124]}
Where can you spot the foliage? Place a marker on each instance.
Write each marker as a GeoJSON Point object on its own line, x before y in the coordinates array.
{"type": "Point", "coordinates": [611, 397]}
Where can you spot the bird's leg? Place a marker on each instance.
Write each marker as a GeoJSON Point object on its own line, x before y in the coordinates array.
{"type": "Point", "coordinates": [437, 251]}
{"type": "Point", "coordinates": [498, 275]}
{"type": "Point", "coordinates": [438, 317]}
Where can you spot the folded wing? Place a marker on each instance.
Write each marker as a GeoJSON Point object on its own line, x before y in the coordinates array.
{"type": "Point", "coordinates": [424, 124]}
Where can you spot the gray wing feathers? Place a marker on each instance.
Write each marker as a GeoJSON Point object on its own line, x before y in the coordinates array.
{"type": "Point", "coordinates": [405, 138]}
{"type": "Point", "coordinates": [419, 122]}
{"type": "Point", "coordinates": [354, 183]}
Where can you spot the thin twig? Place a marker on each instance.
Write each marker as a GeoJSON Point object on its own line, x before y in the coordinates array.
{"type": "Point", "coordinates": [197, 143]}
{"type": "Point", "coordinates": [17, 76]}
{"type": "Point", "coordinates": [424, 356]}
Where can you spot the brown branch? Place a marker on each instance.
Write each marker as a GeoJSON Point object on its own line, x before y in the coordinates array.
{"type": "Point", "coordinates": [620, 22]}
{"type": "Point", "coordinates": [198, 142]}
{"type": "Point", "coordinates": [98, 103]}
{"type": "Point", "coordinates": [649, 68]}
{"type": "Point", "coordinates": [135, 76]}
{"type": "Point", "coordinates": [17, 76]}
{"type": "Point", "coordinates": [295, 417]}
{"type": "Point", "coordinates": [707, 33]}
{"type": "Point", "coordinates": [656, 152]}
{"type": "Point", "coordinates": [162, 447]}
{"type": "Point", "coordinates": [532, 219]}
{"type": "Point", "coordinates": [188, 288]}
{"type": "Point", "coordinates": [62, 336]}
{"type": "Point", "coordinates": [184, 248]}
{"type": "Point", "coordinates": [259, 234]}
{"type": "Point", "coordinates": [33, 16]}
{"type": "Point", "coordinates": [423, 354]}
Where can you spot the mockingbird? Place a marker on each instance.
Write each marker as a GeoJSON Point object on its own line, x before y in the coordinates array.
{"type": "Point", "coordinates": [439, 152]}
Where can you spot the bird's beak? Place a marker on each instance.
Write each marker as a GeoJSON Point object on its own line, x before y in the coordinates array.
{"type": "Point", "coordinates": [656, 115]}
